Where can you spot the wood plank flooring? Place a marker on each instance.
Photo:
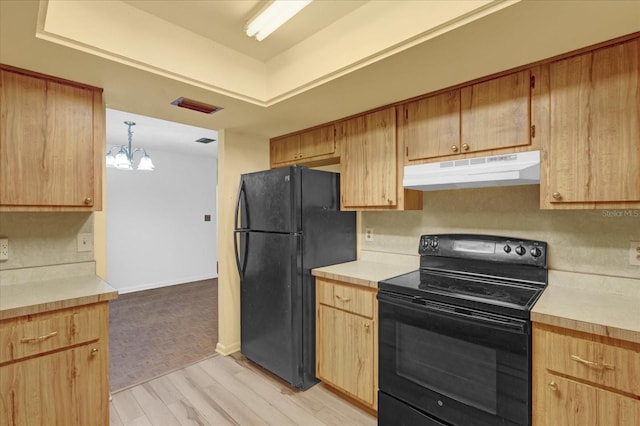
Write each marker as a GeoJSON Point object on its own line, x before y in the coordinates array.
{"type": "Point", "coordinates": [230, 391]}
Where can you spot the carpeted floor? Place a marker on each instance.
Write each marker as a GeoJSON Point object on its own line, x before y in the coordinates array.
{"type": "Point", "coordinates": [156, 331]}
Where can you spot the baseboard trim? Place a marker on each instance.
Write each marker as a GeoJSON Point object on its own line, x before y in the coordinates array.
{"type": "Point", "coordinates": [227, 349]}
{"type": "Point", "coordinates": [152, 286]}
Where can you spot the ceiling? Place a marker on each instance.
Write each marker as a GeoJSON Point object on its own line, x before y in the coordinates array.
{"type": "Point", "coordinates": [334, 59]}
{"type": "Point", "coordinates": [223, 21]}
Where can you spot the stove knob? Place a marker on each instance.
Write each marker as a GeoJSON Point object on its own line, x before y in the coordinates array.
{"type": "Point", "coordinates": [507, 248]}
{"type": "Point", "coordinates": [536, 252]}
{"type": "Point", "coordinates": [434, 244]}
{"type": "Point", "coordinates": [520, 250]}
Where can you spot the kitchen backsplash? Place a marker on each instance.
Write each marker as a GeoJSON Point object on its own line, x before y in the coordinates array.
{"type": "Point", "coordinates": [589, 241]}
{"type": "Point", "coordinates": [44, 238]}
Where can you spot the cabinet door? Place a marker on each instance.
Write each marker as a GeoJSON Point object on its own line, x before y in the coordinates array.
{"type": "Point", "coordinates": [431, 126]}
{"type": "Point", "coordinates": [594, 146]}
{"type": "Point", "coordinates": [570, 403]}
{"type": "Point", "coordinates": [317, 142]}
{"type": "Point", "coordinates": [496, 113]}
{"type": "Point", "coordinates": [285, 150]}
{"type": "Point", "coordinates": [64, 388]}
{"type": "Point", "coordinates": [345, 352]}
{"type": "Point", "coordinates": [46, 143]}
{"type": "Point", "coordinates": [369, 160]}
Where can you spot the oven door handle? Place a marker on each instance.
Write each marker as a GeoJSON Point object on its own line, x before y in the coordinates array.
{"type": "Point", "coordinates": [423, 305]}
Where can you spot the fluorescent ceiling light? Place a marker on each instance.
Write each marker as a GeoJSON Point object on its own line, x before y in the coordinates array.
{"type": "Point", "coordinates": [273, 16]}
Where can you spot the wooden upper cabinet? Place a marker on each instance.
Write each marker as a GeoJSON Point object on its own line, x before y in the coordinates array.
{"type": "Point", "coordinates": [368, 163]}
{"type": "Point", "coordinates": [312, 147]}
{"type": "Point", "coordinates": [496, 113]}
{"type": "Point", "coordinates": [594, 140]}
{"type": "Point", "coordinates": [51, 144]}
{"type": "Point", "coordinates": [432, 126]}
{"type": "Point", "coordinates": [490, 115]}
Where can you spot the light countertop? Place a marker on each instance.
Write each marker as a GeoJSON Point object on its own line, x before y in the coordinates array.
{"type": "Point", "coordinates": [362, 272]}
{"type": "Point", "coordinates": [602, 305]}
{"type": "Point", "coordinates": [46, 295]}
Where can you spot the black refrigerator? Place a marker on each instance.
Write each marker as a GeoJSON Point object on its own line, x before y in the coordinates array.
{"type": "Point", "coordinates": [288, 221]}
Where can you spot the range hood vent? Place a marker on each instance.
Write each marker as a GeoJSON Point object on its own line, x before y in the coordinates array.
{"type": "Point", "coordinates": [522, 168]}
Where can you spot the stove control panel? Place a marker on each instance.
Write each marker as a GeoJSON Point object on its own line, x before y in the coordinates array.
{"type": "Point", "coordinates": [485, 247]}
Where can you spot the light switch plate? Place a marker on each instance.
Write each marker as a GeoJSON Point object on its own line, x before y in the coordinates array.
{"type": "Point", "coordinates": [4, 249]}
{"type": "Point", "coordinates": [634, 253]}
{"type": "Point", "coordinates": [85, 242]}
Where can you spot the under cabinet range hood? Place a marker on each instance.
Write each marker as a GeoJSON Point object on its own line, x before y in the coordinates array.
{"type": "Point", "coordinates": [521, 168]}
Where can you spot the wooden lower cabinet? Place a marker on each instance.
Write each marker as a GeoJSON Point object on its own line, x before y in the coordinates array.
{"type": "Point", "coordinates": [347, 340]}
{"type": "Point", "coordinates": [571, 403]}
{"type": "Point", "coordinates": [583, 379]}
{"type": "Point", "coordinates": [66, 386]}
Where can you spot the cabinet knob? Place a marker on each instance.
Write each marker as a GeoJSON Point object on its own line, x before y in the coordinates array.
{"type": "Point", "coordinates": [465, 147]}
{"type": "Point", "coordinates": [553, 386]}
{"type": "Point", "coordinates": [556, 196]}
{"type": "Point", "coordinates": [366, 325]}
{"type": "Point", "coordinates": [88, 201]}
{"type": "Point", "coordinates": [454, 148]}
{"type": "Point", "coordinates": [94, 351]}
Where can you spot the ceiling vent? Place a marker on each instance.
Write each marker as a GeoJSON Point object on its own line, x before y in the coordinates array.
{"type": "Point", "coordinates": [196, 106]}
{"type": "Point", "coordinates": [205, 140]}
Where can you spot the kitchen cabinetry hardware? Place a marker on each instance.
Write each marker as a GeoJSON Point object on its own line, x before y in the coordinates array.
{"type": "Point", "coordinates": [454, 148]}
{"type": "Point", "coordinates": [553, 386]}
{"type": "Point", "coordinates": [556, 196]}
{"type": "Point", "coordinates": [465, 147]}
{"type": "Point", "coordinates": [94, 351]}
{"type": "Point", "coordinates": [88, 200]}
{"type": "Point", "coordinates": [343, 299]}
{"type": "Point", "coordinates": [593, 364]}
{"type": "Point", "coordinates": [39, 338]}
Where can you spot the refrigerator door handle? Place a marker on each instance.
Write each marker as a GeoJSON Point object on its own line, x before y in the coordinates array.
{"type": "Point", "coordinates": [239, 199]}
{"type": "Point", "coordinates": [240, 261]}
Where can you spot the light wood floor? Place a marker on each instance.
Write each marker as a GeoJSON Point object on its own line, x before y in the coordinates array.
{"type": "Point", "coordinates": [230, 391]}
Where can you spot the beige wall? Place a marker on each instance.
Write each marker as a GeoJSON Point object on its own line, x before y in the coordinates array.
{"type": "Point", "coordinates": [590, 241]}
{"type": "Point", "coordinates": [237, 154]}
{"type": "Point", "coordinates": [44, 238]}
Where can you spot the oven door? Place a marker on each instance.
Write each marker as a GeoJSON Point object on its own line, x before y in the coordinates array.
{"type": "Point", "coordinates": [460, 366]}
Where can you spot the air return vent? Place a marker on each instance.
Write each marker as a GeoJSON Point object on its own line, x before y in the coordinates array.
{"type": "Point", "coordinates": [205, 140]}
{"type": "Point", "coordinates": [196, 105]}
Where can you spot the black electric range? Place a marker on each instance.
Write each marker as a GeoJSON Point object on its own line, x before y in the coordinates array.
{"type": "Point", "coordinates": [455, 335]}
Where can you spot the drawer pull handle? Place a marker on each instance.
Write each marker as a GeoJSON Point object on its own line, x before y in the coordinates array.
{"type": "Point", "coordinates": [343, 299]}
{"type": "Point", "coordinates": [592, 364]}
{"type": "Point", "coordinates": [553, 385]}
{"type": "Point", "coordinates": [39, 338]}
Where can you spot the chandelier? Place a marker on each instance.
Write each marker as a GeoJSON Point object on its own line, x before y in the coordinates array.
{"type": "Point", "coordinates": [123, 160]}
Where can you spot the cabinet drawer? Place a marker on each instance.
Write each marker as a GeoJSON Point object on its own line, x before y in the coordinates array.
{"type": "Point", "coordinates": [599, 363]}
{"type": "Point", "coordinates": [346, 297]}
{"type": "Point", "coordinates": [35, 334]}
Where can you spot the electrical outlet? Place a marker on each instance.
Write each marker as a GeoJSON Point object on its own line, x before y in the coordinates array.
{"type": "Point", "coordinates": [368, 234]}
{"type": "Point", "coordinates": [4, 249]}
{"type": "Point", "coordinates": [634, 253]}
{"type": "Point", "coordinates": [85, 242]}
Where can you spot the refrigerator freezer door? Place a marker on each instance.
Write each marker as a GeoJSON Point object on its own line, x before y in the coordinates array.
{"type": "Point", "coordinates": [270, 304]}
{"type": "Point", "coordinates": [266, 201]}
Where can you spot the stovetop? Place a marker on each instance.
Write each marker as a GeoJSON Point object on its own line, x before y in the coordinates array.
{"type": "Point", "coordinates": [476, 272]}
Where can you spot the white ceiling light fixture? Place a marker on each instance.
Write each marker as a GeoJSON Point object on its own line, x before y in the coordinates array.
{"type": "Point", "coordinates": [123, 160]}
{"type": "Point", "coordinates": [269, 19]}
